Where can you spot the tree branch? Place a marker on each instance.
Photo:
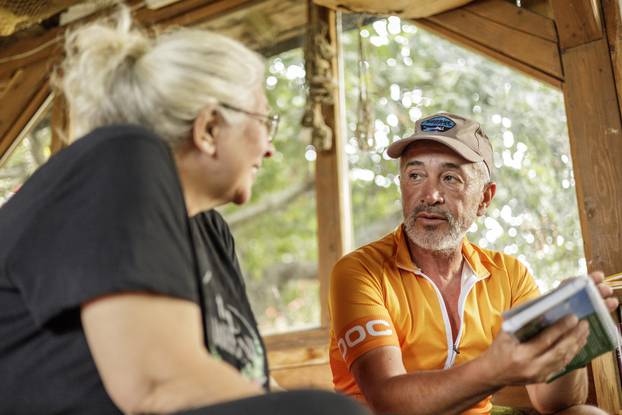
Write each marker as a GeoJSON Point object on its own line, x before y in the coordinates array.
{"type": "Point", "coordinates": [271, 203]}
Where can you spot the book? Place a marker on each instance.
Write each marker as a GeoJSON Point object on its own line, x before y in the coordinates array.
{"type": "Point", "coordinates": [619, 348]}
{"type": "Point", "coordinates": [615, 282]}
{"type": "Point", "coordinates": [578, 296]}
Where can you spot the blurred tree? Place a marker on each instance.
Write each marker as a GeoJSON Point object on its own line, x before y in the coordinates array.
{"type": "Point", "coordinates": [28, 155]}
{"type": "Point", "coordinates": [413, 73]}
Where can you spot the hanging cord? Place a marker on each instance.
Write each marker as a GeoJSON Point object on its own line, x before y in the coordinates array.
{"type": "Point", "coordinates": [364, 131]}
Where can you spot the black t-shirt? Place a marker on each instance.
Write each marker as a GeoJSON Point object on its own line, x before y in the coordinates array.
{"type": "Point", "coordinates": [105, 215]}
{"type": "Point", "coordinates": [231, 328]}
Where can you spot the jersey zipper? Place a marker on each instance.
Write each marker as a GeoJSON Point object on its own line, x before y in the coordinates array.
{"type": "Point", "coordinates": [451, 345]}
{"type": "Point", "coordinates": [461, 301]}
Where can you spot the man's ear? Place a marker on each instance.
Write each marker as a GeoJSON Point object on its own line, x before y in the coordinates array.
{"type": "Point", "coordinates": [487, 195]}
{"type": "Point", "coordinates": [205, 130]}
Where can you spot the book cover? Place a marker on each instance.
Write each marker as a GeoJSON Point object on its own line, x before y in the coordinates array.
{"type": "Point", "coordinates": [578, 296]}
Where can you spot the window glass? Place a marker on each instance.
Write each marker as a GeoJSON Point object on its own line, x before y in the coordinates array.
{"type": "Point", "coordinates": [26, 157]}
{"type": "Point", "coordinates": [413, 73]}
{"type": "Point", "coordinates": [275, 232]}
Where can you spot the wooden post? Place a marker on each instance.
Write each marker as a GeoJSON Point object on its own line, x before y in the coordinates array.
{"type": "Point", "coordinates": [331, 179]}
{"type": "Point", "coordinates": [595, 130]}
{"type": "Point", "coordinates": [59, 124]}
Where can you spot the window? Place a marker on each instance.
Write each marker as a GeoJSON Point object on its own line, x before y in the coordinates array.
{"type": "Point", "coordinates": [412, 74]}
{"type": "Point", "coordinates": [275, 232]}
{"type": "Point", "coordinates": [31, 152]}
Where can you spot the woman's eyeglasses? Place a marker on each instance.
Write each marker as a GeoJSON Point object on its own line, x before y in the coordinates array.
{"type": "Point", "coordinates": [271, 121]}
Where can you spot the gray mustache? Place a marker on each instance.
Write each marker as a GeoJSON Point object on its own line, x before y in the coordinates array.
{"type": "Point", "coordinates": [432, 210]}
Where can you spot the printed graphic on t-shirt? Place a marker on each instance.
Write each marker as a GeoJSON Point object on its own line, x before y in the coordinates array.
{"type": "Point", "coordinates": [231, 333]}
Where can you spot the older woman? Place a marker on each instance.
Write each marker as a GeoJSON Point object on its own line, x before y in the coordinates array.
{"type": "Point", "coordinates": [111, 298]}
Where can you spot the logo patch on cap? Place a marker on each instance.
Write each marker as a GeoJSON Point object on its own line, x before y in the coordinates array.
{"type": "Point", "coordinates": [438, 124]}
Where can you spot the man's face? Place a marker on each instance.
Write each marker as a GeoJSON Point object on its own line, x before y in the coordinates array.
{"type": "Point", "coordinates": [442, 195]}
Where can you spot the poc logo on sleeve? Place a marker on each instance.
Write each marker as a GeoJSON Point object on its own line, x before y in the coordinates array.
{"type": "Point", "coordinates": [358, 333]}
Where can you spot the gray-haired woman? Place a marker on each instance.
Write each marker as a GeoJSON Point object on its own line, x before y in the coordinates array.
{"type": "Point", "coordinates": [111, 298]}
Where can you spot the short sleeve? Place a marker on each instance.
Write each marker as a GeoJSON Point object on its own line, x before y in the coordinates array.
{"type": "Point", "coordinates": [116, 223]}
{"type": "Point", "coordinates": [360, 321]}
{"type": "Point", "coordinates": [524, 287]}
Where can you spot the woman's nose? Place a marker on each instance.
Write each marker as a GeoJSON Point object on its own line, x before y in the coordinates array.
{"type": "Point", "coordinates": [270, 150]}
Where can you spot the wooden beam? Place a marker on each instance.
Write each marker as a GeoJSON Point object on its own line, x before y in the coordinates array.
{"type": "Point", "coordinates": [517, 18]}
{"type": "Point", "coordinates": [512, 396]}
{"type": "Point", "coordinates": [50, 43]}
{"type": "Point", "coordinates": [612, 10]}
{"type": "Point", "coordinates": [24, 120]}
{"type": "Point", "coordinates": [578, 21]}
{"type": "Point", "coordinates": [59, 124]}
{"type": "Point", "coordinates": [311, 376]}
{"type": "Point", "coordinates": [20, 102]}
{"type": "Point", "coordinates": [516, 37]}
{"type": "Point", "coordinates": [595, 130]}
{"type": "Point", "coordinates": [331, 179]}
{"type": "Point", "coordinates": [502, 58]}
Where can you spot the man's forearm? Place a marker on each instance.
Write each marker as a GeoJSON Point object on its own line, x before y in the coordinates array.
{"type": "Point", "coordinates": [566, 391]}
{"type": "Point", "coordinates": [449, 391]}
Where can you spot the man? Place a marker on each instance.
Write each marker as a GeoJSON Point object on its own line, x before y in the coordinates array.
{"type": "Point", "coordinates": [416, 315]}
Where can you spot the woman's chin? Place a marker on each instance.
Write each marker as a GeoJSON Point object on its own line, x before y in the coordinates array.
{"type": "Point", "coordinates": [241, 197]}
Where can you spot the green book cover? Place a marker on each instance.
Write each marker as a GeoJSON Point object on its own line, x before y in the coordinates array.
{"type": "Point", "coordinates": [578, 296]}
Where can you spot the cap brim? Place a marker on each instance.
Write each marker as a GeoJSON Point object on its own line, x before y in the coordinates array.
{"type": "Point", "coordinates": [396, 148]}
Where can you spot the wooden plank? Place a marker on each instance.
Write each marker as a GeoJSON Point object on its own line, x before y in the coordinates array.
{"type": "Point", "coordinates": [206, 12]}
{"type": "Point", "coordinates": [24, 119]}
{"type": "Point", "coordinates": [531, 50]}
{"type": "Point", "coordinates": [299, 348]}
{"type": "Point", "coordinates": [267, 27]}
{"type": "Point", "coordinates": [578, 21]}
{"type": "Point", "coordinates": [313, 337]}
{"type": "Point", "coordinates": [59, 124]}
{"type": "Point", "coordinates": [331, 180]}
{"type": "Point", "coordinates": [18, 99]}
{"type": "Point", "coordinates": [43, 46]}
{"type": "Point", "coordinates": [518, 18]}
{"type": "Point", "coordinates": [541, 7]}
{"type": "Point", "coordinates": [512, 396]}
{"type": "Point", "coordinates": [595, 130]}
{"type": "Point", "coordinates": [407, 9]}
{"type": "Point", "coordinates": [316, 376]}
{"type": "Point", "coordinates": [493, 53]}
{"type": "Point", "coordinates": [613, 24]}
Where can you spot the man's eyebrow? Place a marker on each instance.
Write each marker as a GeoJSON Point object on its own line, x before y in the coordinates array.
{"type": "Point", "coordinates": [452, 166]}
{"type": "Point", "coordinates": [447, 165]}
{"type": "Point", "coordinates": [413, 163]}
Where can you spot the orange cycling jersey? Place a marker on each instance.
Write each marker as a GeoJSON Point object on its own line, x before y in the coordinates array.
{"type": "Point", "coordinates": [378, 297]}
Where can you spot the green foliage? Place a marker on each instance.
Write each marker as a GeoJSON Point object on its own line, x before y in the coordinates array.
{"type": "Point", "coordinates": [412, 73]}
{"type": "Point", "coordinates": [534, 215]}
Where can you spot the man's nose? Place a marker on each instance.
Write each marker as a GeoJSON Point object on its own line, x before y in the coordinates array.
{"type": "Point", "coordinates": [431, 194]}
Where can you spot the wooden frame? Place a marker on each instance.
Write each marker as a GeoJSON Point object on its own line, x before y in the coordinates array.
{"type": "Point", "coordinates": [577, 51]}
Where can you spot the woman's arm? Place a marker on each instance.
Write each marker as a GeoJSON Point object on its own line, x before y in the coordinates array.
{"type": "Point", "coordinates": [150, 354]}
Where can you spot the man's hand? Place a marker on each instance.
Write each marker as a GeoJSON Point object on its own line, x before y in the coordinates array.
{"type": "Point", "coordinates": [510, 362]}
{"type": "Point", "coordinates": [605, 291]}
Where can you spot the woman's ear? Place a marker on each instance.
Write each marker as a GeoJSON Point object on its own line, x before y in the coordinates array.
{"type": "Point", "coordinates": [205, 130]}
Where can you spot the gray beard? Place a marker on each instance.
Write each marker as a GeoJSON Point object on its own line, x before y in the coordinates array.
{"type": "Point", "coordinates": [431, 237]}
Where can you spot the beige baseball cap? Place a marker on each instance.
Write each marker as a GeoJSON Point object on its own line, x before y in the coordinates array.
{"type": "Point", "coordinates": [461, 134]}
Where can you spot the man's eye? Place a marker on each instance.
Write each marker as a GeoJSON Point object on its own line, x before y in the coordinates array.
{"type": "Point", "coordinates": [450, 178]}
{"type": "Point", "coordinates": [414, 176]}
